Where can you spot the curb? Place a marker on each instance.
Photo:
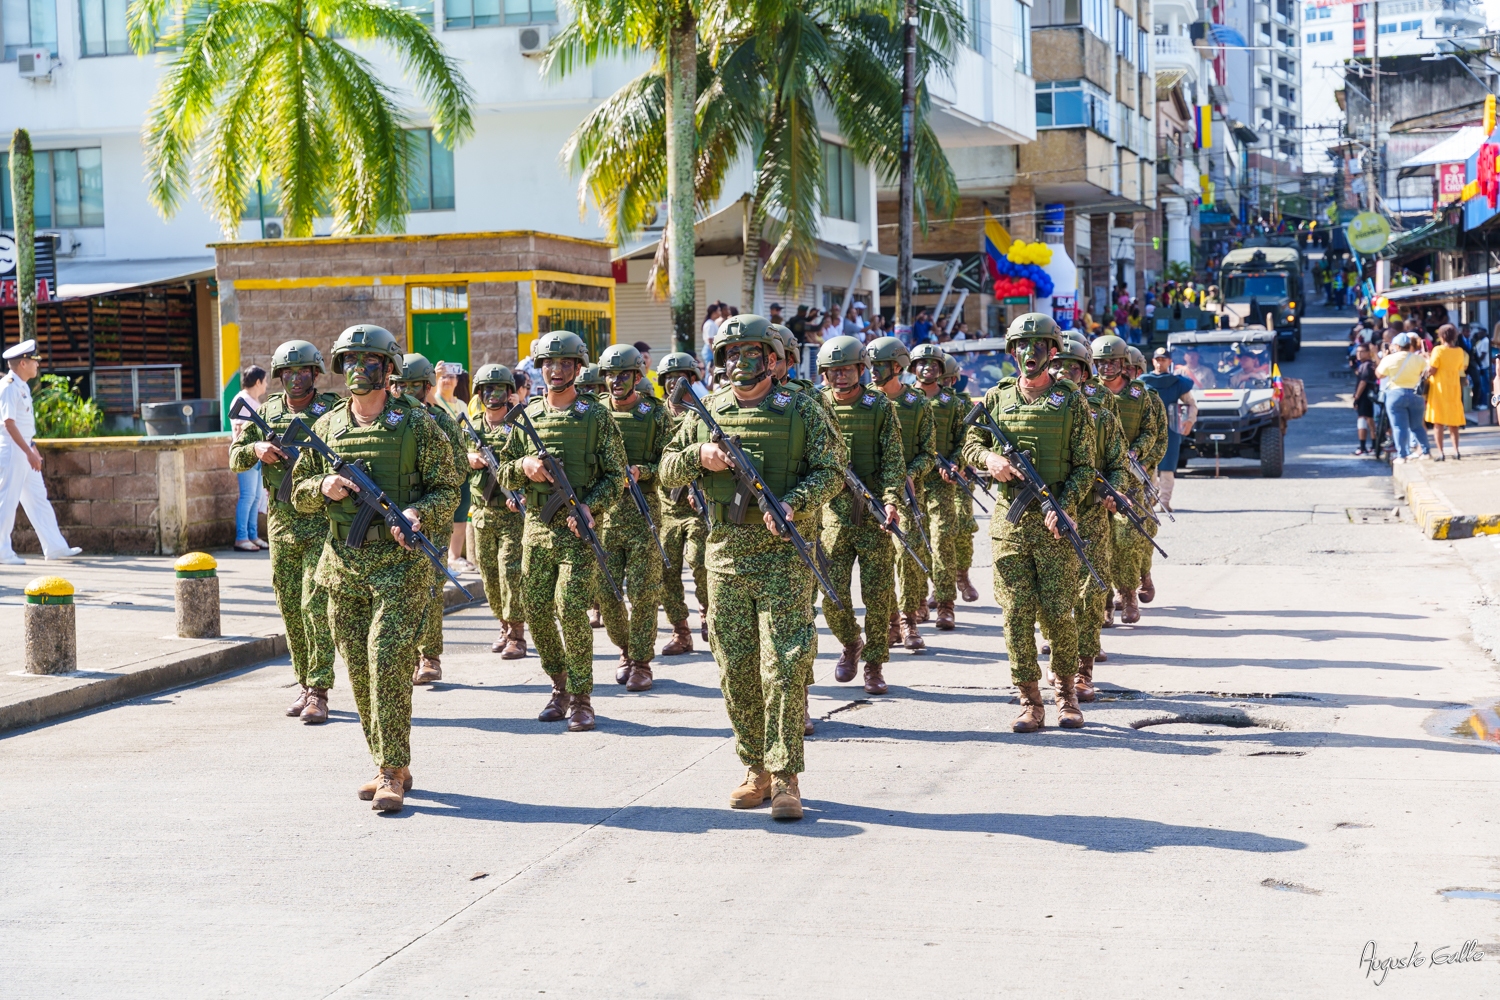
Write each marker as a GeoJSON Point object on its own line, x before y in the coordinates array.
{"type": "Point", "coordinates": [1434, 513]}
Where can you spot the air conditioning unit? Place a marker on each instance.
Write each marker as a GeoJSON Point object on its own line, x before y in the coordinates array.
{"type": "Point", "coordinates": [33, 64]}
{"type": "Point", "coordinates": [272, 230]}
{"type": "Point", "coordinates": [533, 38]}
{"type": "Point", "coordinates": [64, 242]}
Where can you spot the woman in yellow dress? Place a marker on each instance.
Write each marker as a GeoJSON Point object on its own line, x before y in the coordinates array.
{"type": "Point", "coordinates": [1445, 402]}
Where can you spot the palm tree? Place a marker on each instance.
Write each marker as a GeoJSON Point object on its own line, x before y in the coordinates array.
{"type": "Point", "coordinates": [271, 91]}
{"type": "Point", "coordinates": [669, 30]}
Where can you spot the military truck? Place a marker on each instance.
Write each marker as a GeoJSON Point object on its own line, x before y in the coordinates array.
{"type": "Point", "coordinates": [1262, 286]}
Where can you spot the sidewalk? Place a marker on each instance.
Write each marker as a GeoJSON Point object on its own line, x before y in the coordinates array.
{"type": "Point", "coordinates": [1455, 499]}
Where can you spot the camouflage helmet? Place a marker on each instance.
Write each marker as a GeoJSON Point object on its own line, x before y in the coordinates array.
{"type": "Point", "coordinates": [1075, 348]}
{"type": "Point", "coordinates": [932, 351]}
{"type": "Point", "coordinates": [495, 375]}
{"type": "Point", "coordinates": [789, 346]}
{"type": "Point", "coordinates": [888, 349]}
{"type": "Point", "coordinates": [622, 358]}
{"type": "Point", "coordinates": [677, 361]}
{"type": "Point", "coordinates": [416, 368]}
{"type": "Point", "coordinates": [370, 339]}
{"type": "Point", "coordinates": [746, 328]}
{"type": "Point", "coordinates": [1034, 326]}
{"type": "Point", "coordinates": [1136, 357]}
{"type": "Point", "coordinates": [560, 344]}
{"type": "Point", "coordinates": [1110, 348]}
{"type": "Point", "coordinates": [838, 352]}
{"type": "Point", "coordinates": [297, 354]}
{"type": "Point", "coordinates": [589, 376]}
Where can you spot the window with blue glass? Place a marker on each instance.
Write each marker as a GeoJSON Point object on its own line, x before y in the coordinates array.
{"type": "Point", "coordinates": [28, 24]}
{"type": "Point", "coordinates": [69, 189]}
{"type": "Point", "coordinates": [429, 185]}
{"type": "Point", "coordinates": [1071, 104]}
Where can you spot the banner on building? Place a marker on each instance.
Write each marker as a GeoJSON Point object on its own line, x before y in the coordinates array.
{"type": "Point", "coordinates": [46, 269]}
{"type": "Point", "coordinates": [1450, 183]}
{"type": "Point", "coordinates": [1203, 126]}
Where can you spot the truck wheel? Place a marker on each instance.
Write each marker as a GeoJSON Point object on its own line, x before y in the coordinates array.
{"type": "Point", "coordinates": [1271, 452]}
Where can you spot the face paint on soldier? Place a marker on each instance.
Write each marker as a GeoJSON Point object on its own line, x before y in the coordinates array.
{"type": "Point", "coordinates": [364, 372]}
{"type": "Point", "coordinates": [622, 385]}
{"type": "Point", "coordinates": [1034, 356]}
{"type": "Point", "coordinates": [299, 383]}
{"type": "Point", "coordinates": [845, 381]}
{"type": "Point", "coordinates": [747, 364]}
{"type": "Point", "coordinates": [559, 373]}
{"type": "Point", "coordinates": [928, 371]}
{"type": "Point", "coordinates": [1110, 369]}
{"type": "Point", "coordinates": [494, 397]}
{"type": "Point", "coordinates": [882, 372]}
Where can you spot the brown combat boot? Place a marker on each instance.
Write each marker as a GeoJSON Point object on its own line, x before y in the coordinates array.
{"type": "Point", "coordinates": [581, 716]}
{"type": "Point", "coordinates": [498, 646]}
{"type": "Point", "coordinates": [316, 709]}
{"type": "Point", "coordinates": [1102, 657]}
{"type": "Point", "coordinates": [367, 790]}
{"type": "Point", "coordinates": [681, 641]}
{"type": "Point", "coordinates": [622, 670]}
{"type": "Point", "coordinates": [874, 682]}
{"type": "Point", "coordinates": [300, 703]}
{"type": "Point", "coordinates": [848, 664]}
{"type": "Point", "coordinates": [1083, 684]}
{"type": "Point", "coordinates": [893, 634]}
{"type": "Point", "coordinates": [1147, 592]}
{"type": "Point", "coordinates": [429, 669]}
{"type": "Point", "coordinates": [1132, 611]}
{"type": "Point", "coordinates": [1033, 716]}
{"type": "Point", "coordinates": [753, 791]}
{"type": "Point", "coordinates": [808, 728]}
{"type": "Point", "coordinates": [786, 797]}
{"type": "Point", "coordinates": [1068, 715]}
{"type": "Point", "coordinates": [932, 600]}
{"type": "Point", "coordinates": [945, 620]}
{"type": "Point", "coordinates": [595, 621]}
{"type": "Point", "coordinates": [965, 588]}
{"type": "Point", "coordinates": [910, 638]}
{"type": "Point", "coordinates": [924, 613]}
{"type": "Point", "coordinates": [1109, 614]}
{"type": "Point", "coordinates": [640, 676]}
{"type": "Point", "coordinates": [557, 705]}
{"type": "Point", "coordinates": [390, 790]}
{"type": "Point", "coordinates": [515, 643]}
{"type": "Point", "coordinates": [703, 623]}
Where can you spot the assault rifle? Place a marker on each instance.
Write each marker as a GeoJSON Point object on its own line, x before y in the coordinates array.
{"type": "Point", "coordinates": [242, 410]}
{"type": "Point", "coordinates": [1126, 507]}
{"type": "Point", "coordinates": [492, 465]}
{"type": "Point", "coordinates": [645, 509]}
{"type": "Point", "coordinates": [373, 502]}
{"type": "Point", "coordinates": [1153, 495]}
{"type": "Point", "coordinates": [562, 494]}
{"type": "Point", "coordinates": [699, 501]}
{"type": "Point", "coordinates": [1035, 488]}
{"type": "Point", "coordinates": [752, 486]}
{"type": "Point", "coordinates": [960, 478]}
{"type": "Point", "coordinates": [916, 513]}
{"type": "Point", "coordinates": [865, 500]}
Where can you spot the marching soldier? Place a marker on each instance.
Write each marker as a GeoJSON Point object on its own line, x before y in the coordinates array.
{"type": "Point", "coordinates": [296, 538]}
{"type": "Point", "coordinates": [379, 593]}
{"type": "Point", "coordinates": [591, 383]}
{"type": "Point", "coordinates": [1163, 442]}
{"type": "Point", "coordinates": [938, 487]}
{"type": "Point", "coordinates": [760, 592]}
{"type": "Point", "coordinates": [559, 571]}
{"type": "Point", "coordinates": [888, 358]}
{"type": "Point", "coordinates": [683, 532]}
{"type": "Point", "coordinates": [418, 379]}
{"type": "Point", "coordinates": [1036, 570]}
{"type": "Point", "coordinates": [963, 542]}
{"type": "Point", "coordinates": [497, 521]}
{"type": "Point", "coordinates": [630, 539]}
{"type": "Point", "coordinates": [872, 446]}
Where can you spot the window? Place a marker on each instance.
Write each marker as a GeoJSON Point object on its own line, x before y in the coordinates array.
{"type": "Point", "coordinates": [263, 202]}
{"type": "Point", "coordinates": [1312, 36]}
{"type": "Point", "coordinates": [1325, 11]}
{"type": "Point", "coordinates": [1124, 33]}
{"type": "Point", "coordinates": [1022, 43]}
{"type": "Point", "coordinates": [1359, 12]}
{"type": "Point", "coordinates": [1143, 51]}
{"type": "Point", "coordinates": [1411, 25]}
{"type": "Point", "coordinates": [1073, 103]}
{"type": "Point", "coordinates": [1096, 17]}
{"type": "Point", "coordinates": [421, 8]}
{"type": "Point", "coordinates": [101, 27]}
{"type": "Point", "coordinates": [69, 188]}
{"type": "Point", "coordinates": [1386, 29]}
{"type": "Point", "coordinates": [1359, 34]}
{"type": "Point", "coordinates": [461, 14]}
{"type": "Point", "coordinates": [27, 24]}
{"type": "Point", "coordinates": [1325, 36]}
{"type": "Point", "coordinates": [429, 186]}
{"type": "Point", "coordinates": [1311, 12]}
{"type": "Point", "coordinates": [974, 25]}
{"type": "Point", "coordinates": [838, 182]}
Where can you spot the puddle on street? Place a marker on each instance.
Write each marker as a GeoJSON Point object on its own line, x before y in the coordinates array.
{"type": "Point", "coordinates": [1481, 724]}
{"type": "Point", "coordinates": [1469, 894]}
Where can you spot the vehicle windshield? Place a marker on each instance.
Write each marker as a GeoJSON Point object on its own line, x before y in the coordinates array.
{"type": "Point", "coordinates": [982, 370]}
{"type": "Point", "coordinates": [1244, 287]}
{"type": "Point", "coordinates": [1224, 366]}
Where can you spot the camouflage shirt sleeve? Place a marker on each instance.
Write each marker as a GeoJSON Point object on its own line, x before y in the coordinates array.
{"type": "Point", "coordinates": [891, 487]}
{"type": "Point", "coordinates": [1111, 462]}
{"type": "Point", "coordinates": [1154, 420]}
{"type": "Point", "coordinates": [308, 474]}
{"type": "Point", "coordinates": [923, 461]}
{"type": "Point", "coordinates": [1080, 481]}
{"type": "Point", "coordinates": [977, 440]}
{"type": "Point", "coordinates": [825, 459]}
{"type": "Point", "coordinates": [679, 459]}
{"type": "Point", "coordinates": [440, 476]}
{"type": "Point", "coordinates": [242, 452]}
{"type": "Point", "coordinates": [610, 485]}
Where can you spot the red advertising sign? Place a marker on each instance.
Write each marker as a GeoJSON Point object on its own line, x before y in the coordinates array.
{"type": "Point", "coordinates": [8, 291]}
{"type": "Point", "coordinates": [1489, 183]}
{"type": "Point", "coordinates": [1450, 182]}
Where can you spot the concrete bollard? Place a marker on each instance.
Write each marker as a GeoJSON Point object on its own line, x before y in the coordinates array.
{"type": "Point", "coordinates": [51, 629]}
{"type": "Point", "coordinates": [197, 596]}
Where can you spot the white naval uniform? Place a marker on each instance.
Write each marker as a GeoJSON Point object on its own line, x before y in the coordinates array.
{"type": "Point", "coordinates": [19, 482]}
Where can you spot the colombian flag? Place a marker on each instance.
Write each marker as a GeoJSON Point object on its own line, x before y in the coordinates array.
{"type": "Point", "coordinates": [996, 243]}
{"type": "Point", "coordinates": [1203, 126]}
{"type": "Point", "coordinates": [1276, 382]}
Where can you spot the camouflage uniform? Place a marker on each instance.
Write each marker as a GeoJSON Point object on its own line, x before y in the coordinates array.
{"type": "Point", "coordinates": [497, 533]}
{"type": "Point", "coordinates": [919, 444]}
{"type": "Point", "coordinates": [685, 537]}
{"type": "Point", "coordinates": [943, 523]}
{"type": "Point", "coordinates": [968, 525]}
{"type": "Point", "coordinates": [1094, 518]}
{"type": "Point", "coordinates": [1144, 419]}
{"type": "Point", "coordinates": [431, 642]}
{"type": "Point", "coordinates": [1157, 453]}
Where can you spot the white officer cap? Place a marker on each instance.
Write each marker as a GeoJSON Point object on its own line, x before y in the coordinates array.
{"type": "Point", "coordinates": [24, 349]}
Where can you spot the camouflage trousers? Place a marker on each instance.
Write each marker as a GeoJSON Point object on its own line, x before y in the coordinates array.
{"type": "Point", "coordinates": [1152, 527]}
{"type": "Point", "coordinates": [304, 608]}
{"type": "Point", "coordinates": [497, 533]}
{"type": "Point", "coordinates": [686, 541]}
{"type": "Point", "coordinates": [943, 529]}
{"type": "Point", "coordinates": [1036, 580]}
{"type": "Point", "coordinates": [376, 629]}
{"type": "Point", "coordinates": [1088, 611]}
{"type": "Point", "coordinates": [557, 592]}
{"type": "Point", "coordinates": [431, 641]}
{"type": "Point", "coordinates": [636, 567]}
{"type": "Point", "coordinates": [1128, 551]}
{"type": "Point", "coordinates": [909, 575]}
{"type": "Point", "coordinates": [963, 541]}
{"type": "Point", "coordinates": [876, 553]}
{"type": "Point", "coordinates": [761, 630]}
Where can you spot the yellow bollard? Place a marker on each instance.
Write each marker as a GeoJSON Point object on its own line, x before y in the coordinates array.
{"type": "Point", "coordinates": [51, 629]}
{"type": "Point", "coordinates": [197, 596]}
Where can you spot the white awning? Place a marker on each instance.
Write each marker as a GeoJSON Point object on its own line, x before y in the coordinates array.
{"type": "Point", "coordinates": [78, 279]}
{"type": "Point", "coordinates": [1457, 148]}
{"type": "Point", "coordinates": [1453, 288]}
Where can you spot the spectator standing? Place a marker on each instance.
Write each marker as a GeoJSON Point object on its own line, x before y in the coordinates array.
{"type": "Point", "coordinates": [921, 328]}
{"type": "Point", "coordinates": [21, 462]}
{"type": "Point", "coordinates": [1481, 371]}
{"type": "Point", "coordinates": [1402, 369]}
{"type": "Point", "coordinates": [798, 325]}
{"type": "Point", "coordinates": [1445, 372]}
{"type": "Point", "coordinates": [1176, 392]}
{"type": "Point", "coordinates": [253, 386]}
{"type": "Point", "coordinates": [1366, 386]}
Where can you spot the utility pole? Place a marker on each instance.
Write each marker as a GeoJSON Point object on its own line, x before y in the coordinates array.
{"type": "Point", "coordinates": [1371, 170]}
{"type": "Point", "coordinates": [905, 286]}
{"type": "Point", "coordinates": [22, 199]}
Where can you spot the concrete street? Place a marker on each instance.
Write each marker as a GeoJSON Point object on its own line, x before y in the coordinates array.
{"type": "Point", "coordinates": [1267, 784]}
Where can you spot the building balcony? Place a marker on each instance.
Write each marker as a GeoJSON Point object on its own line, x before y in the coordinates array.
{"type": "Point", "coordinates": [1178, 52]}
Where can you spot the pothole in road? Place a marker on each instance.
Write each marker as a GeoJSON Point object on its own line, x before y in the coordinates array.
{"type": "Point", "coordinates": [1281, 885]}
{"type": "Point", "coordinates": [1227, 720]}
{"type": "Point", "coordinates": [1374, 515]}
{"type": "Point", "coordinates": [1478, 723]}
{"type": "Point", "coordinates": [853, 706]}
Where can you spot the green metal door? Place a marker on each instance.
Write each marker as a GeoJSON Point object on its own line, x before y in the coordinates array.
{"type": "Point", "coordinates": [441, 336]}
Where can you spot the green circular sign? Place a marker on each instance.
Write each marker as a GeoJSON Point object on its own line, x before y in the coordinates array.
{"type": "Point", "coordinates": [1369, 232]}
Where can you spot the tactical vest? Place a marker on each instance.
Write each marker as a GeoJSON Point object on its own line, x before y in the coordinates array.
{"type": "Point", "coordinates": [946, 417]}
{"type": "Point", "coordinates": [572, 436]}
{"type": "Point", "coordinates": [771, 434]}
{"type": "Point", "coordinates": [861, 423]}
{"type": "Point", "coordinates": [278, 414]}
{"type": "Point", "coordinates": [1043, 429]}
{"type": "Point", "coordinates": [388, 450]}
{"type": "Point", "coordinates": [1132, 408]}
{"type": "Point", "coordinates": [638, 428]}
{"type": "Point", "coordinates": [909, 411]}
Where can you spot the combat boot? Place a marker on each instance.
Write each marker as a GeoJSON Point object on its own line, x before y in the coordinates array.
{"type": "Point", "coordinates": [703, 623]}
{"type": "Point", "coordinates": [1132, 611]}
{"type": "Point", "coordinates": [367, 790]}
{"type": "Point", "coordinates": [299, 704]}
{"type": "Point", "coordinates": [1083, 684]}
{"type": "Point", "coordinates": [753, 791]}
{"type": "Point", "coordinates": [965, 588]}
{"type": "Point", "coordinates": [924, 613]}
{"type": "Point", "coordinates": [557, 705]}
{"type": "Point", "coordinates": [874, 682]}
{"type": "Point", "coordinates": [316, 710]}
{"type": "Point", "coordinates": [429, 669]}
{"type": "Point", "coordinates": [1109, 614]}
{"type": "Point", "coordinates": [515, 645]}
{"type": "Point", "coordinates": [390, 790]}
{"type": "Point", "coordinates": [945, 621]}
{"type": "Point", "coordinates": [1147, 592]}
{"type": "Point", "coordinates": [498, 646]}
{"type": "Point", "coordinates": [893, 634]}
{"type": "Point", "coordinates": [807, 720]}
{"type": "Point", "coordinates": [1101, 657]}
{"type": "Point", "coordinates": [786, 798]}
{"type": "Point", "coordinates": [595, 620]}
{"type": "Point", "coordinates": [622, 670]}
{"type": "Point", "coordinates": [681, 641]}
{"type": "Point", "coordinates": [640, 676]}
{"type": "Point", "coordinates": [848, 664]}
{"type": "Point", "coordinates": [932, 600]}
{"type": "Point", "coordinates": [581, 716]}
{"type": "Point", "coordinates": [1033, 716]}
{"type": "Point", "coordinates": [1068, 715]}
{"type": "Point", "coordinates": [910, 638]}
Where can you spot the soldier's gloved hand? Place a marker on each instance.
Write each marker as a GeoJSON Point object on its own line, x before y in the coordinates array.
{"type": "Point", "coordinates": [1052, 523]}
{"type": "Point", "coordinates": [535, 469]}
{"type": "Point", "coordinates": [999, 467]}
{"type": "Point", "coordinates": [476, 460]}
{"type": "Point", "coordinates": [585, 513]}
{"type": "Point", "coordinates": [416, 525]}
{"type": "Point", "coordinates": [267, 452]}
{"type": "Point", "coordinates": [713, 457]}
{"type": "Point", "coordinates": [337, 487]}
{"type": "Point", "coordinates": [771, 524]}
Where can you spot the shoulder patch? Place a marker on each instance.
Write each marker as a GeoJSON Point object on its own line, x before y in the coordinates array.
{"type": "Point", "coordinates": [867, 400]}
{"type": "Point", "coordinates": [394, 418]}
{"type": "Point", "coordinates": [911, 397]}
{"type": "Point", "coordinates": [780, 400]}
{"type": "Point", "coordinates": [581, 406]}
{"type": "Point", "coordinates": [944, 397]}
{"type": "Point", "coordinates": [1090, 390]}
{"type": "Point", "coordinates": [1135, 392]}
{"type": "Point", "coordinates": [1056, 399]}
{"type": "Point", "coordinates": [644, 408]}
{"type": "Point", "coordinates": [318, 408]}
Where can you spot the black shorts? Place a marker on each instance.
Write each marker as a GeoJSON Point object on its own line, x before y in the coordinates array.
{"type": "Point", "coordinates": [1364, 406]}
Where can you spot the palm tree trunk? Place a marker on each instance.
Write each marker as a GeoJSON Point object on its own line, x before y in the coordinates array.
{"type": "Point", "coordinates": [682, 135]}
{"type": "Point", "coordinates": [750, 261]}
{"type": "Point", "coordinates": [906, 195]}
{"type": "Point", "coordinates": [22, 196]}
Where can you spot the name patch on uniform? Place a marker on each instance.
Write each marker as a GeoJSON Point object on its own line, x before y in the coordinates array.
{"type": "Point", "coordinates": [1056, 399]}
{"type": "Point", "coordinates": [394, 418]}
{"type": "Point", "coordinates": [581, 406]}
{"type": "Point", "coordinates": [1135, 392]}
{"type": "Point", "coordinates": [644, 408]}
